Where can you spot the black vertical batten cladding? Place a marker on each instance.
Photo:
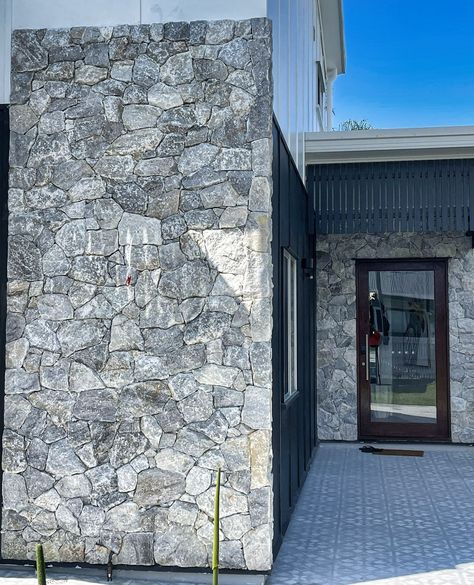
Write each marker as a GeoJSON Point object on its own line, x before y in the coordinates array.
{"type": "Point", "coordinates": [294, 421]}
{"type": "Point", "coordinates": [4, 165]}
{"type": "Point", "coordinates": [405, 196]}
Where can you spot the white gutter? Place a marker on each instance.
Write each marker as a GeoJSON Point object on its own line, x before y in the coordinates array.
{"type": "Point", "coordinates": [450, 142]}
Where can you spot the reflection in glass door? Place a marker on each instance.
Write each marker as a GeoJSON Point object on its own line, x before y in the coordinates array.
{"type": "Point", "coordinates": [402, 350]}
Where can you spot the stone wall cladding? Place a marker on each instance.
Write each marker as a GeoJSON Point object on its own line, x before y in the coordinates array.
{"type": "Point", "coordinates": [336, 359]}
{"type": "Point", "coordinates": [139, 294]}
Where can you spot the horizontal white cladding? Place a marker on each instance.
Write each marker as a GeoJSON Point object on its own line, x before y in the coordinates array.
{"type": "Point", "coordinates": [449, 142]}
{"type": "Point", "coordinates": [16, 14]}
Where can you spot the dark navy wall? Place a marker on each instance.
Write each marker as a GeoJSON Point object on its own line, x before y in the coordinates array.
{"type": "Point", "coordinates": [385, 197]}
{"type": "Point", "coordinates": [294, 422]}
{"type": "Point", "coordinates": [4, 154]}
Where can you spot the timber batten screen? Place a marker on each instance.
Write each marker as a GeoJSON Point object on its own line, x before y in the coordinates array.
{"type": "Point", "coordinates": [384, 197]}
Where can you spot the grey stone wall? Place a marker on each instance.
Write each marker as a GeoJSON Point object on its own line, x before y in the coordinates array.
{"type": "Point", "coordinates": [139, 294]}
{"type": "Point", "coordinates": [336, 359]}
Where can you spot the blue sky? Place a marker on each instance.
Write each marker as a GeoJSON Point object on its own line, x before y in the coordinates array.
{"type": "Point", "coordinates": [409, 63]}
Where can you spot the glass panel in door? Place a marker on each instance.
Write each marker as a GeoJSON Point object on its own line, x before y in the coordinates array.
{"type": "Point", "coordinates": [400, 343]}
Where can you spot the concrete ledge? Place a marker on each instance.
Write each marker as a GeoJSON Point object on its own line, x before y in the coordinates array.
{"type": "Point", "coordinates": [25, 575]}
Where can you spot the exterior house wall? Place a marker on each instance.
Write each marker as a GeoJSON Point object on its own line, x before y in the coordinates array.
{"type": "Point", "coordinates": [295, 47]}
{"type": "Point", "coordinates": [139, 294]}
{"type": "Point", "coordinates": [296, 27]}
{"type": "Point", "coordinates": [294, 418]}
{"type": "Point", "coordinates": [23, 14]}
{"type": "Point", "coordinates": [336, 323]}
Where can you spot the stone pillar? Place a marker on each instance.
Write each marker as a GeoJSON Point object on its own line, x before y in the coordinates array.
{"type": "Point", "coordinates": [139, 294]}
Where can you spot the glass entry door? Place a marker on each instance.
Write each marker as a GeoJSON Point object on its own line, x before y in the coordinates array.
{"type": "Point", "coordinates": [402, 349]}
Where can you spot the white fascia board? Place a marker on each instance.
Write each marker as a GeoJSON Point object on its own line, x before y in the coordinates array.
{"type": "Point", "coordinates": [452, 142]}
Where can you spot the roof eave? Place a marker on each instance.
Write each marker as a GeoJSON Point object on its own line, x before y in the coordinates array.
{"type": "Point", "coordinates": [452, 142]}
{"type": "Point", "coordinates": [332, 15]}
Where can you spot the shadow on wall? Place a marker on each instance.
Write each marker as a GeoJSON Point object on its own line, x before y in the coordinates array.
{"type": "Point", "coordinates": [139, 294]}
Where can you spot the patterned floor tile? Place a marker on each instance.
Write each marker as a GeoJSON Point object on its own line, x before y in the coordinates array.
{"type": "Point", "coordinates": [369, 520]}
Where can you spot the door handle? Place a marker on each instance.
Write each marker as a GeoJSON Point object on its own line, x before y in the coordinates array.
{"type": "Point", "coordinates": [367, 358]}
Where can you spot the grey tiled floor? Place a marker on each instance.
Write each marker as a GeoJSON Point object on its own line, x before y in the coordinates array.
{"type": "Point", "coordinates": [379, 520]}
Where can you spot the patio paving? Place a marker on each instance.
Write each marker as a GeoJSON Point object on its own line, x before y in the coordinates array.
{"type": "Point", "coordinates": [381, 520]}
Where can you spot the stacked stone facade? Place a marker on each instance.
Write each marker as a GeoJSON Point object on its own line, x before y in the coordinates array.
{"type": "Point", "coordinates": [139, 294]}
{"type": "Point", "coordinates": [336, 324]}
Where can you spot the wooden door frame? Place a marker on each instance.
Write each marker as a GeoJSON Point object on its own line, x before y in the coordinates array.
{"type": "Point", "coordinates": [440, 431]}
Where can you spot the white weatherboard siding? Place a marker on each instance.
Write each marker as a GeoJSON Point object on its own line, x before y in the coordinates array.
{"type": "Point", "coordinates": [16, 14]}
{"type": "Point", "coordinates": [294, 70]}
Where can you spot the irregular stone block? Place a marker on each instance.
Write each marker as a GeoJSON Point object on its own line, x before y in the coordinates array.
{"type": "Point", "coordinates": [156, 167]}
{"type": "Point", "coordinates": [24, 259]}
{"type": "Point", "coordinates": [136, 142]}
{"type": "Point", "coordinates": [219, 31]}
{"type": "Point", "coordinates": [49, 150]}
{"type": "Point", "coordinates": [96, 405]}
{"type": "Point", "coordinates": [138, 230]}
{"type": "Point", "coordinates": [16, 352]}
{"type": "Point", "coordinates": [164, 97]}
{"type": "Point", "coordinates": [90, 75]}
{"type": "Point", "coordinates": [18, 381]}
{"type": "Point", "coordinates": [115, 167]}
{"type": "Point", "coordinates": [76, 335]}
{"type": "Point", "coordinates": [137, 549]}
{"type": "Point", "coordinates": [257, 548]}
{"type": "Point", "coordinates": [83, 378]}
{"type": "Point", "coordinates": [14, 492]}
{"type": "Point", "coordinates": [232, 502]}
{"type": "Point", "coordinates": [157, 486]}
{"type": "Point", "coordinates": [178, 69]}
{"type": "Point", "coordinates": [91, 269]}
{"type": "Point", "coordinates": [136, 117]}
{"type": "Point", "coordinates": [195, 158]}
{"type": "Point", "coordinates": [235, 54]}
{"type": "Point", "coordinates": [87, 188]}
{"type": "Point", "coordinates": [256, 412]}
{"type": "Point", "coordinates": [62, 460]}
{"type": "Point", "coordinates": [190, 280]}
{"type": "Point", "coordinates": [146, 71]}
{"type": "Point", "coordinates": [101, 243]}
{"type": "Point", "coordinates": [22, 118]}
{"type": "Point", "coordinates": [163, 205]}
{"type": "Point", "coordinates": [27, 52]}
{"type": "Point", "coordinates": [55, 307]}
